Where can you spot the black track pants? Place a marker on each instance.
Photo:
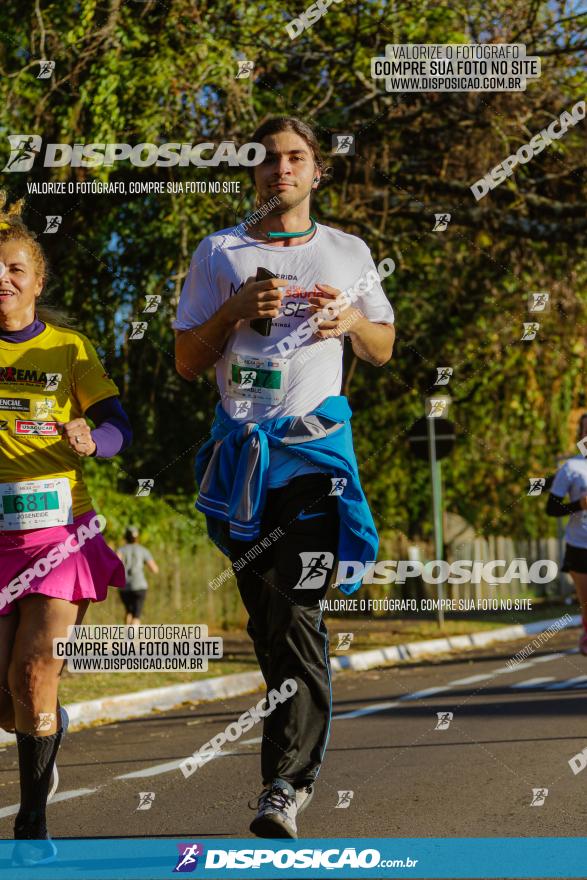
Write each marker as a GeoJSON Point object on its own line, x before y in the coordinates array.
{"type": "Point", "coordinates": [285, 621]}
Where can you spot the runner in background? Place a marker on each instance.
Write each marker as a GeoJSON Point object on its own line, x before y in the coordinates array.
{"type": "Point", "coordinates": [571, 480]}
{"type": "Point", "coordinates": [53, 558]}
{"type": "Point", "coordinates": [281, 441]}
{"type": "Point", "coordinates": [135, 557]}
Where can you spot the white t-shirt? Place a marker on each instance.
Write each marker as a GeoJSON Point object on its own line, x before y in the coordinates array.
{"type": "Point", "coordinates": [252, 368]}
{"type": "Point", "coordinates": [571, 479]}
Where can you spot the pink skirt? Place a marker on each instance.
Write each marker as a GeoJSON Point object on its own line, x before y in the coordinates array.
{"type": "Point", "coordinates": [85, 573]}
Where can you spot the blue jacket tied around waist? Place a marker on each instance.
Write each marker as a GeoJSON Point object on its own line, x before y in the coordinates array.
{"type": "Point", "coordinates": [232, 470]}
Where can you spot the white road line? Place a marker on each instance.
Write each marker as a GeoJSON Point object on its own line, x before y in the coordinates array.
{"type": "Point", "coordinates": [485, 676]}
{"type": "Point", "coordinates": [152, 771]}
{"type": "Point", "coordinates": [428, 692]}
{"type": "Point", "coordinates": [62, 796]}
{"type": "Point", "coordinates": [158, 769]}
{"type": "Point", "coordinates": [531, 683]}
{"type": "Point", "coordinates": [579, 681]}
{"type": "Point", "coordinates": [556, 656]}
{"type": "Point", "coordinates": [474, 679]}
{"type": "Point", "coordinates": [502, 670]}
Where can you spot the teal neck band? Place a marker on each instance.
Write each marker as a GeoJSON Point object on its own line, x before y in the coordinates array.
{"type": "Point", "coordinates": [308, 231]}
{"type": "Point", "coordinates": [274, 235]}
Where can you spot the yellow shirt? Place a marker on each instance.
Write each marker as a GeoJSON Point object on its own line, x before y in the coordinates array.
{"type": "Point", "coordinates": [48, 380]}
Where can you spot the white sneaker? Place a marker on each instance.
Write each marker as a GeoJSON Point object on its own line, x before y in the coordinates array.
{"type": "Point", "coordinates": [276, 814]}
{"type": "Point", "coordinates": [303, 797]}
{"type": "Point", "coordinates": [55, 773]}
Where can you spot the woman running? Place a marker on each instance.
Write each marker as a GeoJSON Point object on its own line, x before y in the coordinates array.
{"type": "Point", "coordinates": [571, 479]}
{"type": "Point", "coordinates": [53, 558]}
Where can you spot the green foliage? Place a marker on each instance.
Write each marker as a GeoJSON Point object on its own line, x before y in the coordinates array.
{"type": "Point", "coordinates": [161, 519]}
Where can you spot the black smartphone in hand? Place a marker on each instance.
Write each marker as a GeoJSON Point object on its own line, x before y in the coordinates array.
{"type": "Point", "coordinates": [262, 325]}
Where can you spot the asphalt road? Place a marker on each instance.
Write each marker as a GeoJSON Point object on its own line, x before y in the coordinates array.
{"type": "Point", "coordinates": [512, 731]}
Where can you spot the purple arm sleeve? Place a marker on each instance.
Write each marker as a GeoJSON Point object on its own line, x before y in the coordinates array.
{"type": "Point", "coordinates": [113, 432]}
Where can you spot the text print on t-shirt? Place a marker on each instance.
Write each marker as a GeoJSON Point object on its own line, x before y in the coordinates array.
{"type": "Point", "coordinates": [294, 303]}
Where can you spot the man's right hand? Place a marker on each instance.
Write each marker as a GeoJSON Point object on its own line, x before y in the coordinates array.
{"type": "Point", "coordinates": [257, 299]}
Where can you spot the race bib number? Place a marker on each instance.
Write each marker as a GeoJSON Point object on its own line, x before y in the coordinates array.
{"type": "Point", "coordinates": [263, 380]}
{"type": "Point", "coordinates": [35, 504]}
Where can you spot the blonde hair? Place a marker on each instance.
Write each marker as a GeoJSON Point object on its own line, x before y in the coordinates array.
{"type": "Point", "coordinates": [12, 228]}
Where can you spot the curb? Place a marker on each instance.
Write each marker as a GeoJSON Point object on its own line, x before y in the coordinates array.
{"type": "Point", "coordinates": [125, 706]}
{"type": "Point", "coordinates": [412, 650]}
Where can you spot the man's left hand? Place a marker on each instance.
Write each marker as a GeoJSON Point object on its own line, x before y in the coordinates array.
{"type": "Point", "coordinates": [338, 323]}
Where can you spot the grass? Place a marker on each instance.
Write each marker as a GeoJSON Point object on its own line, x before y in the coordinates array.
{"type": "Point", "coordinates": [369, 631]}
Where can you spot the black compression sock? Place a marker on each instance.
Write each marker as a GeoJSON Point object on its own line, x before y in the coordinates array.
{"type": "Point", "coordinates": [36, 756]}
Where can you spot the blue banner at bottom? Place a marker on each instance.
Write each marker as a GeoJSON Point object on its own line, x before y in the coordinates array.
{"type": "Point", "coordinates": [151, 858]}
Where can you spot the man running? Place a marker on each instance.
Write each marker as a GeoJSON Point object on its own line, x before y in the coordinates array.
{"type": "Point", "coordinates": [280, 458]}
